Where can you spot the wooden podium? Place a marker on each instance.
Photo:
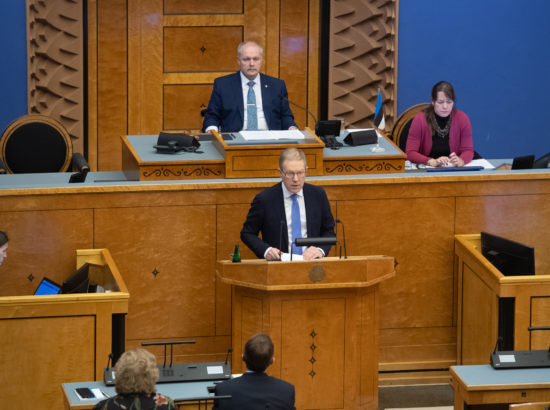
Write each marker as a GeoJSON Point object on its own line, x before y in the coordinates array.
{"type": "Point", "coordinates": [480, 285]}
{"type": "Point", "coordinates": [323, 318]}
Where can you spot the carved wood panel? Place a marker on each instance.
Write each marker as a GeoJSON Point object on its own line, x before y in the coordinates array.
{"type": "Point", "coordinates": [55, 64]}
{"type": "Point", "coordinates": [363, 59]}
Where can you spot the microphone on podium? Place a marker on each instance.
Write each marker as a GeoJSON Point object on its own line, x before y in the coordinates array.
{"type": "Point", "coordinates": [339, 221]}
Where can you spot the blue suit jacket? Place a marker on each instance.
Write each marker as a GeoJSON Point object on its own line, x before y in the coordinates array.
{"type": "Point", "coordinates": [226, 107]}
{"type": "Point", "coordinates": [267, 215]}
{"type": "Point", "coordinates": [255, 391]}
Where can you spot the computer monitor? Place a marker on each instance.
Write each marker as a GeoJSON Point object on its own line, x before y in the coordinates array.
{"type": "Point", "coordinates": [78, 281]}
{"type": "Point", "coordinates": [509, 257]}
{"type": "Point", "coordinates": [47, 287]}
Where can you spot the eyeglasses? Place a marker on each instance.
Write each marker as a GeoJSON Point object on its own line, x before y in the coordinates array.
{"type": "Point", "coordinates": [290, 174]}
{"type": "Point", "coordinates": [441, 102]}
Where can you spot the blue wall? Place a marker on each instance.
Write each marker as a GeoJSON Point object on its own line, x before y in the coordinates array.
{"type": "Point", "coordinates": [496, 54]}
{"type": "Point", "coordinates": [13, 69]}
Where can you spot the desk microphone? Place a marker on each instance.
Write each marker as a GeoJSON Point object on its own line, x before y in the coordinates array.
{"type": "Point", "coordinates": [339, 221]}
{"type": "Point", "coordinates": [302, 108]}
{"type": "Point", "coordinates": [281, 237]}
{"type": "Point", "coordinates": [109, 373]}
{"type": "Point", "coordinates": [229, 351]}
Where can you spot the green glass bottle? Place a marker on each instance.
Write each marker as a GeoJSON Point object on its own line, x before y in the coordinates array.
{"type": "Point", "coordinates": [236, 254]}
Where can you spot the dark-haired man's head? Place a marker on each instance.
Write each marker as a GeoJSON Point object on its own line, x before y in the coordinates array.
{"type": "Point", "coordinates": [258, 352]}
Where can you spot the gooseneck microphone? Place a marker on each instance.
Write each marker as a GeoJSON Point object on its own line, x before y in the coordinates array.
{"type": "Point", "coordinates": [229, 351]}
{"type": "Point", "coordinates": [281, 238]}
{"type": "Point", "coordinates": [339, 221]}
{"type": "Point", "coordinates": [302, 108]}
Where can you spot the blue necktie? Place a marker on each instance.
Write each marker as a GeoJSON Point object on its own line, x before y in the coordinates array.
{"type": "Point", "coordinates": [296, 224]}
{"type": "Point", "coordinates": [251, 111]}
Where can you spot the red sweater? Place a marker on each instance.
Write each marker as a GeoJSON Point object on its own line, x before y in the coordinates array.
{"type": "Point", "coordinates": [419, 142]}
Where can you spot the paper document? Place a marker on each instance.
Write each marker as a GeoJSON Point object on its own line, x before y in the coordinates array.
{"type": "Point", "coordinates": [474, 163]}
{"type": "Point", "coordinates": [285, 257]}
{"type": "Point", "coordinates": [272, 135]}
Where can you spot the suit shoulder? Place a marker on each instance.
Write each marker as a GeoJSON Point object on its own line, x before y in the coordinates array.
{"type": "Point", "coordinates": [227, 78]}
{"type": "Point", "coordinates": [282, 383]}
{"type": "Point", "coordinates": [316, 189]}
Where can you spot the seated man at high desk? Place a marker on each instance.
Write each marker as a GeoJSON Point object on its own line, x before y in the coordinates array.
{"type": "Point", "coordinates": [255, 389]}
{"type": "Point", "coordinates": [288, 210]}
{"type": "Point", "coordinates": [248, 100]}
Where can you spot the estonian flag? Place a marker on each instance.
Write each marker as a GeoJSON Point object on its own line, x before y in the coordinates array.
{"type": "Point", "coordinates": [379, 120]}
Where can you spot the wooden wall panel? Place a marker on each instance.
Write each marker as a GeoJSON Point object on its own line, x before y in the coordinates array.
{"type": "Point", "coordinates": [71, 361]}
{"type": "Point", "coordinates": [200, 48]}
{"type": "Point", "coordinates": [203, 6]}
{"type": "Point", "coordinates": [481, 317]}
{"type": "Point", "coordinates": [111, 118]}
{"type": "Point", "coordinates": [513, 218]}
{"type": "Point", "coordinates": [413, 231]}
{"type": "Point", "coordinates": [293, 50]}
{"type": "Point", "coordinates": [540, 317]}
{"type": "Point", "coordinates": [182, 105]}
{"type": "Point", "coordinates": [43, 243]}
{"type": "Point", "coordinates": [174, 258]}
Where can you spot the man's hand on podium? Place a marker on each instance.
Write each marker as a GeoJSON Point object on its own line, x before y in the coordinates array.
{"type": "Point", "coordinates": [312, 252]}
{"type": "Point", "coordinates": [273, 254]}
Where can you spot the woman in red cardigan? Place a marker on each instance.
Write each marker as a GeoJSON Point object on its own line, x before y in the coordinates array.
{"type": "Point", "coordinates": [441, 134]}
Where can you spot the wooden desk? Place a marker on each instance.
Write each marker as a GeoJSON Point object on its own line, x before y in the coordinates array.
{"type": "Point", "coordinates": [47, 340]}
{"type": "Point", "coordinates": [481, 384]}
{"type": "Point", "coordinates": [480, 285]}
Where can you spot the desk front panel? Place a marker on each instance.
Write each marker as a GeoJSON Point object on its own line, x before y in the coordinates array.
{"type": "Point", "coordinates": [166, 238]}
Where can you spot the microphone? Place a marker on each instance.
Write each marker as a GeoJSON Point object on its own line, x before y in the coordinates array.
{"type": "Point", "coordinates": [109, 373]}
{"type": "Point", "coordinates": [320, 241]}
{"type": "Point", "coordinates": [302, 108]}
{"type": "Point", "coordinates": [338, 221]}
{"type": "Point", "coordinates": [230, 350]}
{"type": "Point", "coordinates": [497, 344]}
{"type": "Point", "coordinates": [281, 236]}
{"type": "Point", "coordinates": [171, 343]}
{"type": "Point", "coordinates": [109, 360]}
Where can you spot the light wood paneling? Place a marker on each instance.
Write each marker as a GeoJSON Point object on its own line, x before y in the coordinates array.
{"type": "Point", "coordinates": [60, 362]}
{"type": "Point", "coordinates": [201, 48]}
{"type": "Point", "coordinates": [202, 6]}
{"type": "Point", "coordinates": [540, 339]}
{"type": "Point", "coordinates": [317, 348]}
{"type": "Point", "coordinates": [183, 105]}
{"type": "Point", "coordinates": [479, 336]}
{"type": "Point", "coordinates": [112, 92]}
{"type": "Point", "coordinates": [43, 243]}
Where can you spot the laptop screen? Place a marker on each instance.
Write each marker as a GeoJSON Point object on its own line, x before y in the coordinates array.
{"type": "Point", "coordinates": [47, 287]}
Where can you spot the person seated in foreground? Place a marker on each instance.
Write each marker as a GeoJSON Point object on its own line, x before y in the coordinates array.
{"type": "Point", "coordinates": [288, 210]}
{"type": "Point", "coordinates": [136, 375]}
{"type": "Point", "coordinates": [3, 246]}
{"type": "Point", "coordinates": [441, 135]}
{"type": "Point", "coordinates": [255, 390]}
{"type": "Point", "coordinates": [247, 99]}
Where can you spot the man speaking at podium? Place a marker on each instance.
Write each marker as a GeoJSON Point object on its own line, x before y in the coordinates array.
{"type": "Point", "coordinates": [288, 210]}
{"type": "Point", "coordinates": [248, 100]}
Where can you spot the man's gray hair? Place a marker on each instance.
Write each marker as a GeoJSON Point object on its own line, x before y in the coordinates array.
{"type": "Point", "coordinates": [240, 47]}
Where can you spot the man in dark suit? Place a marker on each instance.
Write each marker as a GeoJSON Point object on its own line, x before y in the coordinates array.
{"type": "Point", "coordinates": [247, 99]}
{"type": "Point", "coordinates": [288, 210]}
{"type": "Point", "coordinates": [255, 390]}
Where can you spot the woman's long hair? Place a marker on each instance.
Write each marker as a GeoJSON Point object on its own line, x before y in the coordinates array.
{"type": "Point", "coordinates": [429, 112]}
